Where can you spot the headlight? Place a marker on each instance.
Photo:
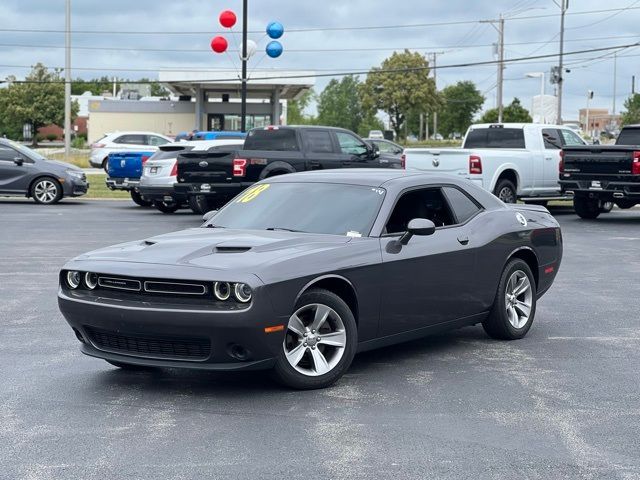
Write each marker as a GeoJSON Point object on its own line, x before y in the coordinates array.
{"type": "Point", "coordinates": [73, 279]}
{"type": "Point", "coordinates": [91, 280]}
{"type": "Point", "coordinates": [222, 290]}
{"type": "Point", "coordinates": [76, 173]}
{"type": "Point", "coordinates": [242, 292]}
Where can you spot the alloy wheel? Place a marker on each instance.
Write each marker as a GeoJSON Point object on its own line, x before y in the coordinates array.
{"type": "Point", "coordinates": [506, 195]}
{"type": "Point", "coordinates": [518, 299]}
{"type": "Point", "coordinates": [45, 191]}
{"type": "Point", "coordinates": [315, 340]}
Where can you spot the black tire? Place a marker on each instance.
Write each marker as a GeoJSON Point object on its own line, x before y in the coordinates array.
{"type": "Point", "coordinates": [606, 207]}
{"type": "Point", "coordinates": [138, 200]}
{"type": "Point", "coordinates": [165, 207]}
{"type": "Point", "coordinates": [588, 208]}
{"type": "Point", "coordinates": [625, 204]}
{"type": "Point", "coordinates": [497, 324]}
{"type": "Point", "coordinates": [287, 375]}
{"type": "Point", "coordinates": [105, 165]}
{"type": "Point", "coordinates": [129, 366]}
{"type": "Point", "coordinates": [506, 191]}
{"type": "Point", "coordinates": [202, 204]}
{"type": "Point", "coordinates": [46, 191]}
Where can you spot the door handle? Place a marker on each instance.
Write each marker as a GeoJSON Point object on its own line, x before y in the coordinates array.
{"type": "Point", "coordinates": [463, 239]}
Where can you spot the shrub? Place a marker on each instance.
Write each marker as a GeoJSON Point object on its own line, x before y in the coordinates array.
{"type": "Point", "coordinates": [52, 136]}
{"type": "Point", "coordinates": [79, 142]}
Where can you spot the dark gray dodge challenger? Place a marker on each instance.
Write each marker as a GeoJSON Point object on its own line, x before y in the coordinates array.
{"type": "Point", "coordinates": [300, 272]}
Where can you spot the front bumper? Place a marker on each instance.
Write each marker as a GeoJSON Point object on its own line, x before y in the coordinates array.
{"type": "Point", "coordinates": [74, 187]}
{"type": "Point", "coordinates": [161, 194]}
{"type": "Point", "coordinates": [126, 184]}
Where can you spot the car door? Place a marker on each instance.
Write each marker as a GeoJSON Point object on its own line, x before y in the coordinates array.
{"type": "Point", "coordinates": [320, 150]}
{"type": "Point", "coordinates": [431, 279]}
{"type": "Point", "coordinates": [355, 153]}
{"type": "Point", "coordinates": [552, 147]}
{"type": "Point", "coordinates": [14, 178]}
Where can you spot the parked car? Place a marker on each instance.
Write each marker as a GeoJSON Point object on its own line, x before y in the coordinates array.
{"type": "Point", "coordinates": [600, 174]}
{"type": "Point", "coordinates": [24, 172]}
{"type": "Point", "coordinates": [210, 179]}
{"type": "Point", "coordinates": [124, 170]}
{"type": "Point", "coordinates": [300, 272]}
{"type": "Point", "coordinates": [376, 134]}
{"type": "Point", "coordinates": [512, 160]}
{"type": "Point", "coordinates": [219, 135]}
{"type": "Point", "coordinates": [386, 146]}
{"type": "Point", "coordinates": [159, 174]}
{"type": "Point", "coordinates": [124, 142]}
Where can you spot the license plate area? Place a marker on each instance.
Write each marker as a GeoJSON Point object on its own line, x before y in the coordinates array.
{"type": "Point", "coordinates": [595, 185]}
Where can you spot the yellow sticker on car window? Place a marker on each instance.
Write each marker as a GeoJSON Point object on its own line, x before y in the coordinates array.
{"type": "Point", "coordinates": [251, 193]}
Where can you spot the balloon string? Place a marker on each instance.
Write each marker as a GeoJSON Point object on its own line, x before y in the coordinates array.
{"type": "Point", "coordinates": [233, 63]}
{"type": "Point", "coordinates": [256, 65]}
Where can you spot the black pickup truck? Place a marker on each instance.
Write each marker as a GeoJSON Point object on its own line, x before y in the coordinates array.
{"type": "Point", "coordinates": [597, 174]}
{"type": "Point", "coordinates": [212, 178]}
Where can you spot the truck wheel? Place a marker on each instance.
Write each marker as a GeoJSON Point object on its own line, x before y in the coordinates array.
{"type": "Point", "coordinates": [506, 191]}
{"type": "Point", "coordinates": [606, 207]}
{"type": "Point", "coordinates": [199, 204]}
{"type": "Point", "coordinates": [588, 208]}
{"type": "Point", "coordinates": [625, 204]}
{"type": "Point", "coordinates": [105, 165]}
{"type": "Point", "coordinates": [138, 200]}
{"type": "Point", "coordinates": [165, 207]}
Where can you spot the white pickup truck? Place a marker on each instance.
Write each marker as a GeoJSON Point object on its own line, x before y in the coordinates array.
{"type": "Point", "coordinates": [511, 160]}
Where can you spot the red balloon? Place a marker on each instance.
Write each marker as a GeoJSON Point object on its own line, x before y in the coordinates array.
{"type": "Point", "coordinates": [219, 44]}
{"type": "Point", "coordinates": [227, 19]}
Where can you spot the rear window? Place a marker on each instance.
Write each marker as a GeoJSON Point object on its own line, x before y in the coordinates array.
{"type": "Point", "coordinates": [629, 136]}
{"type": "Point", "coordinates": [495, 138]}
{"type": "Point", "coordinates": [281, 140]}
{"type": "Point", "coordinates": [167, 152]}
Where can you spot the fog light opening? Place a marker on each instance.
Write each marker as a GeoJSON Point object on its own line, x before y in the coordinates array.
{"type": "Point", "coordinates": [79, 335]}
{"type": "Point", "coordinates": [239, 352]}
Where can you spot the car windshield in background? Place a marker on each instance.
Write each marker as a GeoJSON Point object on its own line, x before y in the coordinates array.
{"type": "Point", "coordinates": [629, 136]}
{"type": "Point", "coordinates": [274, 139]}
{"type": "Point", "coordinates": [495, 138]}
{"type": "Point", "coordinates": [329, 208]}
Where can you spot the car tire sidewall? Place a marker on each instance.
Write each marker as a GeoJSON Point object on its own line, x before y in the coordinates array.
{"type": "Point", "coordinates": [286, 375]}
{"type": "Point", "coordinates": [138, 200]}
{"type": "Point", "coordinates": [59, 191]}
{"type": "Point", "coordinates": [502, 184]}
{"type": "Point", "coordinates": [166, 208]}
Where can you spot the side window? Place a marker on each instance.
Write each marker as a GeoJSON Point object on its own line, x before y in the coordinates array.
{"type": "Point", "coordinates": [7, 154]}
{"type": "Point", "coordinates": [319, 142]}
{"type": "Point", "coordinates": [350, 144]}
{"type": "Point", "coordinates": [156, 141]}
{"type": "Point", "coordinates": [571, 139]}
{"type": "Point", "coordinates": [551, 139]}
{"type": "Point", "coordinates": [463, 207]}
{"type": "Point", "coordinates": [385, 147]}
{"type": "Point", "coordinates": [131, 140]}
{"type": "Point", "coordinates": [426, 203]}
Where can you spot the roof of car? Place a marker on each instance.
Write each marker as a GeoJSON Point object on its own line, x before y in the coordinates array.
{"type": "Point", "coordinates": [373, 177]}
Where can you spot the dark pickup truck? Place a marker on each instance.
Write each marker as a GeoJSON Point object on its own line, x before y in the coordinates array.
{"type": "Point", "coordinates": [597, 174]}
{"type": "Point", "coordinates": [212, 178]}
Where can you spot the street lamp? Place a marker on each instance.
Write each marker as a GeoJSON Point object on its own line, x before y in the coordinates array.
{"type": "Point", "coordinates": [587, 126]}
{"type": "Point", "coordinates": [539, 75]}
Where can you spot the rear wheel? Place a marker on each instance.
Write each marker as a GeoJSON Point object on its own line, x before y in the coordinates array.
{"type": "Point", "coordinates": [166, 207]}
{"type": "Point", "coordinates": [606, 207]}
{"type": "Point", "coordinates": [319, 343]}
{"type": "Point", "coordinates": [138, 200]}
{"type": "Point", "coordinates": [506, 191]}
{"type": "Point", "coordinates": [105, 165]}
{"type": "Point", "coordinates": [588, 208]}
{"type": "Point", "coordinates": [46, 191]}
{"type": "Point", "coordinates": [514, 306]}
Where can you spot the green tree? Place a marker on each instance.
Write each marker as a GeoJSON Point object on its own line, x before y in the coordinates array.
{"type": "Point", "coordinates": [400, 85]}
{"type": "Point", "coordinates": [512, 113]}
{"type": "Point", "coordinates": [369, 122]}
{"type": "Point", "coordinates": [632, 113]}
{"type": "Point", "coordinates": [39, 101]}
{"type": "Point", "coordinates": [97, 86]}
{"type": "Point", "coordinates": [339, 104]}
{"type": "Point", "coordinates": [296, 108]}
{"type": "Point", "coordinates": [460, 102]}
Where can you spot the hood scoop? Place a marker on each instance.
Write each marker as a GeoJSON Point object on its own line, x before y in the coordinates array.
{"type": "Point", "coordinates": [230, 249]}
{"type": "Point", "coordinates": [147, 243]}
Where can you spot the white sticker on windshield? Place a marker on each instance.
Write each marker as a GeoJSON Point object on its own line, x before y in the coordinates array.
{"type": "Point", "coordinates": [351, 233]}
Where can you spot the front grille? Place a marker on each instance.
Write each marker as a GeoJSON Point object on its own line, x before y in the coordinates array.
{"type": "Point", "coordinates": [149, 346]}
{"type": "Point", "coordinates": [172, 287]}
{"type": "Point", "coordinates": [166, 287]}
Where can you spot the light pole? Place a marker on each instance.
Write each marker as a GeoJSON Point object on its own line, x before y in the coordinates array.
{"type": "Point", "coordinates": [243, 100]}
{"type": "Point", "coordinates": [67, 82]}
{"type": "Point", "coordinates": [587, 126]}
{"type": "Point", "coordinates": [539, 75]}
{"type": "Point", "coordinates": [564, 5]}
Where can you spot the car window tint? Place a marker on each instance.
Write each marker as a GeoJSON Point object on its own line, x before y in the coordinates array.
{"type": "Point", "coordinates": [156, 141]}
{"type": "Point", "coordinates": [426, 203]}
{"type": "Point", "coordinates": [385, 147]}
{"type": "Point", "coordinates": [319, 142]}
{"type": "Point", "coordinates": [350, 144]}
{"type": "Point", "coordinates": [551, 139]}
{"type": "Point", "coordinates": [131, 139]}
{"type": "Point", "coordinates": [571, 139]}
{"type": "Point", "coordinates": [495, 138]}
{"type": "Point", "coordinates": [463, 207]}
{"type": "Point", "coordinates": [7, 154]}
{"type": "Point", "coordinates": [629, 136]}
{"type": "Point", "coordinates": [281, 140]}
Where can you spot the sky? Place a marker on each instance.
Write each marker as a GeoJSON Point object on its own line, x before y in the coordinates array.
{"type": "Point", "coordinates": [531, 28]}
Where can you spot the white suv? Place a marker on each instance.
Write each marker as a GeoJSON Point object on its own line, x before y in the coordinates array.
{"type": "Point", "coordinates": [124, 142]}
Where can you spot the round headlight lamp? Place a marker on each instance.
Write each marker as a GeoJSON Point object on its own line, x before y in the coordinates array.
{"type": "Point", "coordinates": [91, 280]}
{"type": "Point", "coordinates": [73, 279]}
{"type": "Point", "coordinates": [242, 292]}
{"type": "Point", "coordinates": [222, 290]}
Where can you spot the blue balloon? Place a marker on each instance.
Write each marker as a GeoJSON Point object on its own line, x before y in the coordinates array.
{"type": "Point", "coordinates": [275, 30]}
{"type": "Point", "coordinates": [274, 49]}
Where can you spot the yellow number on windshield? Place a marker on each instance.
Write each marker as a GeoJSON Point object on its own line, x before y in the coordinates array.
{"type": "Point", "coordinates": [252, 193]}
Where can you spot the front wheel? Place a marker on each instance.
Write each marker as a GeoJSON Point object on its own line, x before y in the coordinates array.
{"type": "Point", "coordinates": [506, 191]}
{"type": "Point", "coordinates": [166, 207]}
{"type": "Point", "coordinates": [588, 208]}
{"type": "Point", "coordinates": [319, 343]}
{"type": "Point", "coordinates": [46, 191]}
{"type": "Point", "coordinates": [138, 200]}
{"type": "Point", "coordinates": [515, 303]}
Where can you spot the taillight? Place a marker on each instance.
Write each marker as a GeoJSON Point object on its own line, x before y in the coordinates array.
{"type": "Point", "coordinates": [239, 167]}
{"type": "Point", "coordinates": [174, 170]}
{"type": "Point", "coordinates": [635, 166]}
{"type": "Point", "coordinates": [145, 158]}
{"type": "Point", "coordinates": [561, 164]}
{"type": "Point", "coordinates": [475, 164]}
{"type": "Point", "coordinates": [403, 161]}
{"type": "Point", "coordinates": [97, 145]}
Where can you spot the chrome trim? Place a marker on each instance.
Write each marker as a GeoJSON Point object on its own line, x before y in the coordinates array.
{"type": "Point", "coordinates": [146, 289]}
{"type": "Point", "coordinates": [218, 295]}
{"type": "Point", "coordinates": [237, 292]}
{"type": "Point", "coordinates": [121, 280]}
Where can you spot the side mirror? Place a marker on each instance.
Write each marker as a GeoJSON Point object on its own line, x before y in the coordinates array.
{"type": "Point", "coordinates": [18, 161]}
{"type": "Point", "coordinates": [418, 226]}
{"type": "Point", "coordinates": [209, 215]}
{"type": "Point", "coordinates": [375, 151]}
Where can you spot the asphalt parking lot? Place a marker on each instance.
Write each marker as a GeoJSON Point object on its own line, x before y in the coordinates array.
{"type": "Point", "coordinates": [561, 403]}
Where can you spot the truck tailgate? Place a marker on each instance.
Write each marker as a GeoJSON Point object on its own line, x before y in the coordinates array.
{"type": "Point", "coordinates": [127, 164]}
{"type": "Point", "coordinates": [214, 166]}
{"type": "Point", "coordinates": [451, 161]}
{"type": "Point", "coordinates": [597, 161]}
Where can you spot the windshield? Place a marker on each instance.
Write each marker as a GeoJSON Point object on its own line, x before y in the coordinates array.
{"type": "Point", "coordinates": [335, 209]}
{"type": "Point", "coordinates": [32, 154]}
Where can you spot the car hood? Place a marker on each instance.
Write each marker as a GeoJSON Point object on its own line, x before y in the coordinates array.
{"type": "Point", "coordinates": [217, 248]}
{"type": "Point", "coordinates": [61, 165]}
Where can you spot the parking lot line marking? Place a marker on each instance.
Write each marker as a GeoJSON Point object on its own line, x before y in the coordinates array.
{"type": "Point", "coordinates": [605, 339]}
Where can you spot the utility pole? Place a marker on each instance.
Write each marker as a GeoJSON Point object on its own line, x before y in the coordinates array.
{"type": "Point", "coordinates": [564, 5]}
{"type": "Point", "coordinates": [434, 69]}
{"type": "Point", "coordinates": [588, 127]}
{"type": "Point", "coordinates": [500, 30]}
{"type": "Point", "coordinates": [243, 101]}
{"type": "Point", "coordinates": [615, 79]}
{"type": "Point", "coordinates": [67, 82]}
